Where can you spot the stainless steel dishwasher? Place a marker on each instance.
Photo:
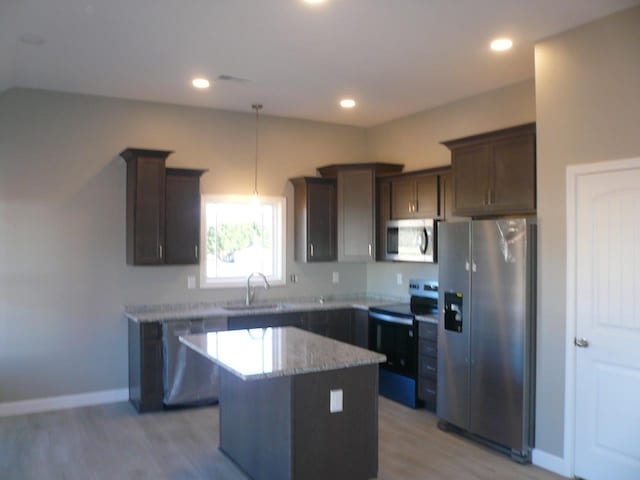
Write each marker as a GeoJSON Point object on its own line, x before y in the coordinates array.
{"type": "Point", "coordinates": [189, 378]}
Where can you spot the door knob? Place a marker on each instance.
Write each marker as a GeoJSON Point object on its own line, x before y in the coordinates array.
{"type": "Point", "coordinates": [581, 342]}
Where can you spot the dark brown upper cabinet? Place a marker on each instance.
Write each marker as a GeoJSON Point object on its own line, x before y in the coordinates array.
{"type": "Point", "coordinates": [315, 212]}
{"type": "Point", "coordinates": [163, 210]}
{"type": "Point", "coordinates": [356, 202]}
{"type": "Point", "coordinates": [495, 173]}
{"type": "Point", "coordinates": [415, 196]}
{"type": "Point", "coordinates": [182, 216]}
{"type": "Point", "coordinates": [383, 214]}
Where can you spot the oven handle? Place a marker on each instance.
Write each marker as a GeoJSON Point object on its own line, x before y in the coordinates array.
{"type": "Point", "coordinates": [391, 318]}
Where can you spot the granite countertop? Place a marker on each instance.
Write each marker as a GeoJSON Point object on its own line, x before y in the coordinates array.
{"type": "Point", "coordinates": [155, 313]}
{"type": "Point", "coordinates": [275, 352]}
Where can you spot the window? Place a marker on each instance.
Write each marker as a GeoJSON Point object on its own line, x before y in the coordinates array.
{"type": "Point", "coordinates": [241, 236]}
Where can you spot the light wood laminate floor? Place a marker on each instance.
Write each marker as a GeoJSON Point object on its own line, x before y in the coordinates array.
{"type": "Point", "coordinates": [114, 442]}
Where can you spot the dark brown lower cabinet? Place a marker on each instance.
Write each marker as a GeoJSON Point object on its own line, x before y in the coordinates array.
{"type": "Point", "coordinates": [289, 319]}
{"type": "Point", "coordinates": [145, 365]}
{"type": "Point", "coordinates": [335, 324]}
{"type": "Point", "coordinates": [428, 363]}
{"type": "Point", "coordinates": [360, 328]}
{"type": "Point", "coordinates": [146, 389]}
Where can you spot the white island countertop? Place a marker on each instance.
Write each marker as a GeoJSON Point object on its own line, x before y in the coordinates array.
{"type": "Point", "coordinates": [275, 352]}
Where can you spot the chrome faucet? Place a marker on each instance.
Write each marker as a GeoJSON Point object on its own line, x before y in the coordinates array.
{"type": "Point", "coordinates": [251, 291]}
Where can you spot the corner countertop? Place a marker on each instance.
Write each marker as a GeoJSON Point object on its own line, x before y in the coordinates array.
{"type": "Point", "coordinates": [276, 352]}
{"type": "Point", "coordinates": [183, 311]}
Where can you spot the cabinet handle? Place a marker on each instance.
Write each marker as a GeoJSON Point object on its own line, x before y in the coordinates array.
{"type": "Point", "coordinates": [485, 201]}
{"type": "Point", "coordinates": [160, 248]}
{"type": "Point", "coordinates": [415, 206]}
{"type": "Point", "coordinates": [196, 251]}
{"type": "Point", "coordinates": [311, 249]}
{"type": "Point", "coordinates": [370, 249]}
{"type": "Point", "coordinates": [410, 207]}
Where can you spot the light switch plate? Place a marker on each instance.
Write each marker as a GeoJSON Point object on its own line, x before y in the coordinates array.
{"type": "Point", "coordinates": [335, 278]}
{"type": "Point", "coordinates": [191, 282]}
{"type": "Point", "coordinates": [399, 279]}
{"type": "Point", "coordinates": [335, 401]}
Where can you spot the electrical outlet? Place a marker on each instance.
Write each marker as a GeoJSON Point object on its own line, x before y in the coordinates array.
{"type": "Point", "coordinates": [191, 282]}
{"type": "Point", "coordinates": [293, 278]}
{"type": "Point", "coordinates": [399, 279]}
{"type": "Point", "coordinates": [335, 401]}
{"type": "Point", "coordinates": [335, 278]}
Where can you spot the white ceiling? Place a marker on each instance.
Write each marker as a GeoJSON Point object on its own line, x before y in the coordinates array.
{"type": "Point", "coordinates": [395, 57]}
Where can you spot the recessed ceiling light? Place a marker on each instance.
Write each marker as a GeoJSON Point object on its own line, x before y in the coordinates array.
{"type": "Point", "coordinates": [200, 83]}
{"type": "Point", "coordinates": [501, 44]}
{"type": "Point", "coordinates": [313, 2]}
{"type": "Point", "coordinates": [347, 103]}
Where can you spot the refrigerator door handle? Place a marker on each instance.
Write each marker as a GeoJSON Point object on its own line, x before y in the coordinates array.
{"type": "Point", "coordinates": [474, 267]}
{"type": "Point", "coordinates": [466, 265]}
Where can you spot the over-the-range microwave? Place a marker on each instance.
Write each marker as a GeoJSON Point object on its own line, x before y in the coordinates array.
{"type": "Point", "coordinates": [411, 240]}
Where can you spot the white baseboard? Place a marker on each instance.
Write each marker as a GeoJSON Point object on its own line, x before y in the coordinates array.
{"type": "Point", "coordinates": [36, 405]}
{"type": "Point", "coordinates": [550, 462]}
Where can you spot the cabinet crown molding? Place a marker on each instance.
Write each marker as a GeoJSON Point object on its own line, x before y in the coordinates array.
{"type": "Point", "coordinates": [130, 153]}
{"type": "Point", "coordinates": [525, 129]}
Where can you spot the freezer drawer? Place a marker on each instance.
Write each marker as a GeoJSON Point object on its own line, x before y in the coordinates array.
{"type": "Point", "coordinates": [189, 378]}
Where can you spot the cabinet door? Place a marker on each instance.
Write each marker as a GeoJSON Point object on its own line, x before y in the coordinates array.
{"type": "Point", "coordinates": [360, 329]}
{"type": "Point", "coordinates": [355, 215]}
{"type": "Point", "coordinates": [149, 186]}
{"type": "Point", "coordinates": [340, 325]}
{"type": "Point", "coordinates": [383, 213]}
{"type": "Point", "coordinates": [292, 319]}
{"type": "Point", "coordinates": [182, 219]}
{"type": "Point", "coordinates": [321, 221]}
{"type": "Point", "coordinates": [427, 201]}
{"type": "Point", "coordinates": [470, 167]}
{"type": "Point", "coordinates": [317, 322]}
{"type": "Point", "coordinates": [403, 198]}
{"type": "Point", "coordinates": [145, 365]}
{"type": "Point", "coordinates": [513, 186]}
{"type": "Point", "coordinates": [446, 198]}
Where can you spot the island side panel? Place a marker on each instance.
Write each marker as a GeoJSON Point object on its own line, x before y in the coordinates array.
{"type": "Point", "coordinates": [255, 425]}
{"type": "Point", "coordinates": [339, 446]}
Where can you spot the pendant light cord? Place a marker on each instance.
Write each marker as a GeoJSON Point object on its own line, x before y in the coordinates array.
{"type": "Point", "coordinates": [257, 107]}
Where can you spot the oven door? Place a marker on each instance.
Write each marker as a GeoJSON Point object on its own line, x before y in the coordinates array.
{"type": "Point", "coordinates": [395, 337]}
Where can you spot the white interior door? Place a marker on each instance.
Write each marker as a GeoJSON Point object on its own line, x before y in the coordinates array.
{"type": "Point", "coordinates": [607, 280]}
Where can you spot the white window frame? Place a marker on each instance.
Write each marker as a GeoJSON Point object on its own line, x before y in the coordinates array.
{"type": "Point", "coordinates": [280, 244]}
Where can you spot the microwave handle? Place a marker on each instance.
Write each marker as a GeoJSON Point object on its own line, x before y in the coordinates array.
{"type": "Point", "coordinates": [424, 245]}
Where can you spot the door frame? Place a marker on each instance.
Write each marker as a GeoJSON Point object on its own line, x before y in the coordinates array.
{"type": "Point", "coordinates": [573, 174]}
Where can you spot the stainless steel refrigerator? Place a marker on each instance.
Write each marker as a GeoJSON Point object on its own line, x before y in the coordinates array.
{"type": "Point", "coordinates": [486, 337]}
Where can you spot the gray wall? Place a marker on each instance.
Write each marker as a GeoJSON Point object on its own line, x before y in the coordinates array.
{"type": "Point", "coordinates": [588, 110]}
{"type": "Point", "coordinates": [64, 281]}
{"type": "Point", "coordinates": [415, 142]}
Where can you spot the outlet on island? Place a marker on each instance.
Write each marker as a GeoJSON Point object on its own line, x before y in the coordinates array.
{"type": "Point", "coordinates": [335, 401]}
{"type": "Point", "coordinates": [335, 277]}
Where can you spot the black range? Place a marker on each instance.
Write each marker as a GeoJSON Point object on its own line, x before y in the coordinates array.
{"type": "Point", "coordinates": [393, 331]}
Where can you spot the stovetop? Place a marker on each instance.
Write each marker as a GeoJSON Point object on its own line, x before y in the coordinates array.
{"type": "Point", "coordinates": [402, 309]}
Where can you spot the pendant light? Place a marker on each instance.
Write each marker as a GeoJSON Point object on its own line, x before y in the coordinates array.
{"type": "Point", "coordinates": [257, 107]}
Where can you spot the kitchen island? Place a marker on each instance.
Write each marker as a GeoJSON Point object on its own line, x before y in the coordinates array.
{"type": "Point", "coordinates": [295, 405]}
